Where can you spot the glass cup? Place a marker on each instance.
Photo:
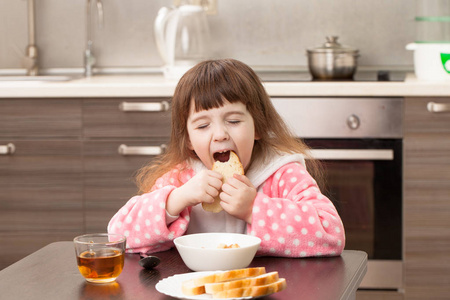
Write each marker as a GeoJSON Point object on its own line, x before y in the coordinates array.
{"type": "Point", "coordinates": [100, 256]}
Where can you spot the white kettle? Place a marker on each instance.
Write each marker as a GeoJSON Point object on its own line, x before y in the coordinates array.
{"type": "Point", "coordinates": [182, 37]}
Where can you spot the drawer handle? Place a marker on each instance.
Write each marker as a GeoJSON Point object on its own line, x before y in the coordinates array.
{"type": "Point", "coordinates": [144, 106]}
{"type": "Point", "coordinates": [7, 149]}
{"type": "Point", "coordinates": [434, 107]}
{"type": "Point", "coordinates": [141, 150]}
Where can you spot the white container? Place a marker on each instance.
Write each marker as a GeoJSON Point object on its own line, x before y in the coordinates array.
{"type": "Point", "coordinates": [431, 60]}
{"type": "Point", "coordinates": [200, 252]}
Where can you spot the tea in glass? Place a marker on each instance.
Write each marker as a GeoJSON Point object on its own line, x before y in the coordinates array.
{"type": "Point", "coordinates": [100, 257]}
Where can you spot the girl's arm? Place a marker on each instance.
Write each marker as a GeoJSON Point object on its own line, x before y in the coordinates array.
{"type": "Point", "coordinates": [293, 218]}
{"type": "Point", "coordinates": [143, 218]}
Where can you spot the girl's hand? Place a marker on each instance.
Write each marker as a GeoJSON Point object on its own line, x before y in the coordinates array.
{"type": "Point", "coordinates": [203, 187]}
{"type": "Point", "coordinates": [237, 196]}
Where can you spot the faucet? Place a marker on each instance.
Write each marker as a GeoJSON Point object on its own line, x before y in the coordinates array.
{"type": "Point", "coordinates": [30, 61]}
{"type": "Point", "coordinates": [89, 58]}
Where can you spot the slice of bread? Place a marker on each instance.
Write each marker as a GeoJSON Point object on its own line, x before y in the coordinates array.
{"type": "Point", "coordinates": [189, 288]}
{"type": "Point", "coordinates": [227, 169]}
{"type": "Point", "coordinates": [196, 286]}
{"type": "Point", "coordinates": [229, 275]}
{"type": "Point", "coordinates": [253, 291]}
{"type": "Point", "coordinates": [212, 288]}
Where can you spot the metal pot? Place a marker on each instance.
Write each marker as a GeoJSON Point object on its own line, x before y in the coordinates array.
{"type": "Point", "coordinates": [332, 61]}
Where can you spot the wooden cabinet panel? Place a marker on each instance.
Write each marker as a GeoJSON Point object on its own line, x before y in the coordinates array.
{"type": "Point", "coordinates": [428, 149]}
{"type": "Point", "coordinates": [419, 120]}
{"type": "Point", "coordinates": [426, 200]}
{"type": "Point", "coordinates": [66, 176]}
{"type": "Point", "coordinates": [42, 175]}
{"type": "Point", "coordinates": [102, 118]}
{"type": "Point", "coordinates": [109, 179]}
{"type": "Point", "coordinates": [41, 196]}
{"type": "Point", "coordinates": [109, 176]}
{"type": "Point", "coordinates": [17, 245]}
{"type": "Point", "coordinates": [41, 183]}
{"type": "Point", "coordinates": [40, 118]}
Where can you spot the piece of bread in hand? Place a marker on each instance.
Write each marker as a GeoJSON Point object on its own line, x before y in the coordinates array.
{"type": "Point", "coordinates": [253, 291]}
{"type": "Point", "coordinates": [227, 169]}
{"type": "Point", "coordinates": [196, 286]}
{"type": "Point", "coordinates": [212, 288]}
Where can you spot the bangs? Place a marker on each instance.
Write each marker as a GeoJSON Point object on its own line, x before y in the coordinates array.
{"type": "Point", "coordinates": [217, 83]}
{"type": "Point", "coordinates": [205, 99]}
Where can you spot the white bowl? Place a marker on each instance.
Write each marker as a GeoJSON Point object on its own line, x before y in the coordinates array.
{"type": "Point", "coordinates": [201, 252]}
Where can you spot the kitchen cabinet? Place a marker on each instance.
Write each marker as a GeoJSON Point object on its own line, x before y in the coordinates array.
{"type": "Point", "coordinates": [137, 125]}
{"type": "Point", "coordinates": [427, 198]}
{"type": "Point", "coordinates": [41, 197]}
{"type": "Point", "coordinates": [66, 176]}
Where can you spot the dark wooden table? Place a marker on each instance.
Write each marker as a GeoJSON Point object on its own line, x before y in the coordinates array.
{"type": "Point", "coordinates": [52, 273]}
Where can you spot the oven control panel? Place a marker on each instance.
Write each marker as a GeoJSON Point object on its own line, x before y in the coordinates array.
{"type": "Point", "coordinates": [369, 117]}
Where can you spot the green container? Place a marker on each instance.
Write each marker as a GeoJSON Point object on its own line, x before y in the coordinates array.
{"type": "Point", "coordinates": [433, 29]}
{"type": "Point", "coordinates": [432, 21]}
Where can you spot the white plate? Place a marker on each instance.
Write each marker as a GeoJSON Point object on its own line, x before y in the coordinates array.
{"type": "Point", "coordinates": [171, 286]}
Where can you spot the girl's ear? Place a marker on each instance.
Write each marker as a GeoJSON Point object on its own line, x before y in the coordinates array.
{"type": "Point", "coordinates": [257, 137]}
{"type": "Point", "coordinates": [189, 144]}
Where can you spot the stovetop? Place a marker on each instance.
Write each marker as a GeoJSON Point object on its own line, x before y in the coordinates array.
{"type": "Point", "coordinates": [302, 76]}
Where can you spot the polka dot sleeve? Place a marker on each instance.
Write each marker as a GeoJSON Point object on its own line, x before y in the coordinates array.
{"type": "Point", "coordinates": [293, 218]}
{"type": "Point", "coordinates": [142, 218]}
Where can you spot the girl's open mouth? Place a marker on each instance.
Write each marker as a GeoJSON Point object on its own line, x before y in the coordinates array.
{"type": "Point", "coordinates": [222, 156]}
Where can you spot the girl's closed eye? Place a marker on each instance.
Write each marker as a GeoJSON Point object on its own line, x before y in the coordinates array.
{"type": "Point", "coordinates": [202, 126]}
{"type": "Point", "coordinates": [234, 122]}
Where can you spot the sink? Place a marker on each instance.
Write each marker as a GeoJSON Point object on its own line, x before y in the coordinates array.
{"type": "Point", "coordinates": [36, 78]}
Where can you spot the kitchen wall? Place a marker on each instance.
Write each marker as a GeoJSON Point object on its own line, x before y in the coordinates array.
{"type": "Point", "coordinates": [261, 33]}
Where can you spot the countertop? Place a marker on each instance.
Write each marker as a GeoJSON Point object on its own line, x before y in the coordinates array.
{"type": "Point", "coordinates": [155, 85]}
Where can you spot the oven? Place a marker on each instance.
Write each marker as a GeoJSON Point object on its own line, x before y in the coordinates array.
{"type": "Point", "coordinates": [359, 142]}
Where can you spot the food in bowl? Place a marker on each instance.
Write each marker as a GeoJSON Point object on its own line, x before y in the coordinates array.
{"type": "Point", "coordinates": [200, 251]}
{"type": "Point", "coordinates": [225, 246]}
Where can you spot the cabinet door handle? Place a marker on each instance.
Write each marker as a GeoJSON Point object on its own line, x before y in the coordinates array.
{"type": "Point", "coordinates": [7, 149]}
{"type": "Point", "coordinates": [352, 154]}
{"type": "Point", "coordinates": [141, 150]}
{"type": "Point", "coordinates": [434, 107]}
{"type": "Point", "coordinates": [144, 106]}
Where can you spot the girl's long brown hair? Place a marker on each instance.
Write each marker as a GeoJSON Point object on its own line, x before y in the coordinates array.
{"type": "Point", "coordinates": [209, 84]}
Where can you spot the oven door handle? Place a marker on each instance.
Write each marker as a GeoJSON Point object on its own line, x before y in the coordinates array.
{"type": "Point", "coordinates": [352, 154]}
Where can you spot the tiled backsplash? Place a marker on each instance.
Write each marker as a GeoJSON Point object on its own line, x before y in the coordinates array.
{"type": "Point", "coordinates": [258, 32]}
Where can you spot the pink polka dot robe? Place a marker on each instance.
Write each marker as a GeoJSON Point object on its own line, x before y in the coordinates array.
{"type": "Point", "coordinates": [290, 214]}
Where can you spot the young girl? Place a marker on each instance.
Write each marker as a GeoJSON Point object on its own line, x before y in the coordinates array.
{"type": "Point", "coordinates": [219, 106]}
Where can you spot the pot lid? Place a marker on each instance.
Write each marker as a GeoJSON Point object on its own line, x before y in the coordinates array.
{"type": "Point", "coordinates": [332, 46]}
